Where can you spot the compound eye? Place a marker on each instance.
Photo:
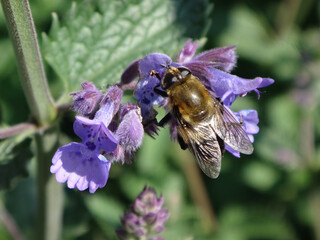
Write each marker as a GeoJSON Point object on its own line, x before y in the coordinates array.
{"type": "Point", "coordinates": [184, 71]}
{"type": "Point", "coordinates": [168, 80]}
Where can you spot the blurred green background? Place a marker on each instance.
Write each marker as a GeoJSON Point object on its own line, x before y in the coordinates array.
{"type": "Point", "coordinates": [272, 194]}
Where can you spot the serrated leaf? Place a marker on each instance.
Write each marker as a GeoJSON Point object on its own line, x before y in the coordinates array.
{"type": "Point", "coordinates": [97, 45]}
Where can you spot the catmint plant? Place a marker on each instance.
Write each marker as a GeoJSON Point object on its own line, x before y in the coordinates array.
{"type": "Point", "coordinates": [145, 218]}
{"type": "Point", "coordinates": [89, 48]}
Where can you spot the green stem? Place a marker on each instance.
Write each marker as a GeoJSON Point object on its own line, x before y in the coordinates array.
{"type": "Point", "coordinates": [198, 191]}
{"type": "Point", "coordinates": [50, 194]}
{"type": "Point", "coordinates": [33, 78]}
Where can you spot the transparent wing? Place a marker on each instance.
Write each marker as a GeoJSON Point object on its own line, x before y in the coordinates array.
{"type": "Point", "coordinates": [229, 129]}
{"type": "Point", "coordinates": [202, 142]}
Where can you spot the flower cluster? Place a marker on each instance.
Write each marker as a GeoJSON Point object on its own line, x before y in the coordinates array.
{"type": "Point", "coordinates": [110, 132]}
{"type": "Point", "coordinates": [211, 67]}
{"type": "Point", "coordinates": [146, 217]}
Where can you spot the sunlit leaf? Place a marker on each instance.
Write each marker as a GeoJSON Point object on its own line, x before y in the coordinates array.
{"type": "Point", "coordinates": [96, 43]}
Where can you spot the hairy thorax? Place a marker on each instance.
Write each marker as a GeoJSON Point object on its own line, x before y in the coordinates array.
{"type": "Point", "coordinates": [192, 100]}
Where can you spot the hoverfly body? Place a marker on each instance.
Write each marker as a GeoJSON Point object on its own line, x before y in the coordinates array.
{"type": "Point", "coordinates": [204, 125]}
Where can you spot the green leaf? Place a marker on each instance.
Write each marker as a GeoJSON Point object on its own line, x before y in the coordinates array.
{"type": "Point", "coordinates": [96, 43]}
{"type": "Point", "coordinates": [8, 146]}
{"type": "Point", "coordinates": [13, 158]}
{"type": "Point", "coordinates": [15, 153]}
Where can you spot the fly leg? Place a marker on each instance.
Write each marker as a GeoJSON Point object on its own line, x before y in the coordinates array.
{"type": "Point", "coordinates": [165, 120]}
{"type": "Point", "coordinates": [160, 92]}
{"type": "Point", "coordinates": [182, 143]}
{"type": "Point", "coordinates": [155, 89]}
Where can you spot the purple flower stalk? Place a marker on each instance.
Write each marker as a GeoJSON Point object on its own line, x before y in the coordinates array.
{"type": "Point", "coordinates": [212, 68]}
{"type": "Point", "coordinates": [87, 164]}
{"type": "Point", "coordinates": [145, 219]}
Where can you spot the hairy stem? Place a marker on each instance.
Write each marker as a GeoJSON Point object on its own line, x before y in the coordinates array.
{"type": "Point", "coordinates": [23, 35]}
{"type": "Point", "coordinates": [16, 129]}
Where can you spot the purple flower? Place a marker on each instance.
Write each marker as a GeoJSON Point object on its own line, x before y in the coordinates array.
{"type": "Point", "coordinates": [129, 75]}
{"type": "Point", "coordinates": [147, 202]}
{"type": "Point", "coordinates": [86, 100]}
{"type": "Point", "coordinates": [80, 167]}
{"type": "Point", "coordinates": [109, 134]}
{"type": "Point", "coordinates": [228, 87]}
{"type": "Point", "coordinates": [212, 68]}
{"type": "Point", "coordinates": [129, 133]}
{"type": "Point", "coordinates": [144, 91]}
{"type": "Point", "coordinates": [187, 52]}
{"type": "Point", "coordinates": [146, 217]}
{"type": "Point", "coordinates": [223, 58]}
{"type": "Point", "coordinates": [83, 165]}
